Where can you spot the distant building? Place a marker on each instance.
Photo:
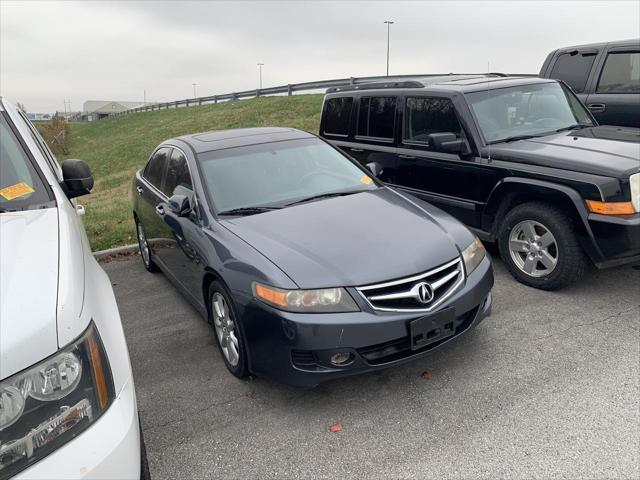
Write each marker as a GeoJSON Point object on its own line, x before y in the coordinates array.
{"type": "Point", "coordinates": [97, 109]}
{"type": "Point", "coordinates": [39, 116]}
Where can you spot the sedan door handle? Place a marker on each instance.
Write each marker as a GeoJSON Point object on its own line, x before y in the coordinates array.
{"type": "Point", "coordinates": [407, 157]}
{"type": "Point", "coordinates": [160, 210]}
{"type": "Point", "coordinates": [357, 150]}
{"type": "Point", "coordinates": [139, 189]}
{"type": "Point", "coordinates": [597, 107]}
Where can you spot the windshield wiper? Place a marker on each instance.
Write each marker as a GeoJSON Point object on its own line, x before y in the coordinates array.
{"type": "Point", "coordinates": [324, 195]}
{"type": "Point", "coordinates": [514, 138]}
{"type": "Point", "coordinates": [574, 127]}
{"type": "Point", "coordinates": [247, 210]}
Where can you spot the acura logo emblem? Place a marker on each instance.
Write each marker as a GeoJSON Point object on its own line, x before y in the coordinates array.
{"type": "Point", "coordinates": [424, 292]}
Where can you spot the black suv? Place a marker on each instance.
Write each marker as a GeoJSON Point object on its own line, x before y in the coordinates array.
{"type": "Point", "coordinates": [606, 77]}
{"type": "Point", "coordinates": [518, 159]}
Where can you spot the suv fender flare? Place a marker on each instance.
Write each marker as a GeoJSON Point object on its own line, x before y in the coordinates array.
{"type": "Point", "coordinates": [496, 207]}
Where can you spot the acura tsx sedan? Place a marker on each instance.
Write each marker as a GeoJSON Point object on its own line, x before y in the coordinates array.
{"type": "Point", "coordinates": [306, 265]}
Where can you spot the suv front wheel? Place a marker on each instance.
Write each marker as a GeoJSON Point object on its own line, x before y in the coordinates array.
{"type": "Point", "coordinates": [538, 243]}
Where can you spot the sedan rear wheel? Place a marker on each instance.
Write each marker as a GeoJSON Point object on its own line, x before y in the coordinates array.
{"type": "Point", "coordinates": [145, 251]}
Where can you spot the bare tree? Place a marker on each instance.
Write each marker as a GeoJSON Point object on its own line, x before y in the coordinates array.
{"type": "Point", "coordinates": [21, 107]}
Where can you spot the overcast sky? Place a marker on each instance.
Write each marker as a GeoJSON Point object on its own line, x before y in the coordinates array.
{"type": "Point", "coordinates": [51, 51]}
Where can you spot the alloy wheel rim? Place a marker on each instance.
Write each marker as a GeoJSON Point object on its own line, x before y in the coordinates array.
{"type": "Point", "coordinates": [144, 246]}
{"type": "Point", "coordinates": [533, 248]}
{"type": "Point", "coordinates": [225, 329]}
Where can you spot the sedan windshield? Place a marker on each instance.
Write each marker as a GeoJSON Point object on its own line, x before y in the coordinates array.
{"type": "Point", "coordinates": [527, 111]}
{"type": "Point", "coordinates": [258, 178]}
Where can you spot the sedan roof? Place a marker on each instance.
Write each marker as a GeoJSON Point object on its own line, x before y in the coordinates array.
{"type": "Point", "coordinates": [240, 137]}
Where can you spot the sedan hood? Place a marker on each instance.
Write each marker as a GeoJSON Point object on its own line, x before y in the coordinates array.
{"type": "Point", "coordinates": [607, 151]}
{"type": "Point", "coordinates": [28, 288]}
{"type": "Point", "coordinates": [348, 241]}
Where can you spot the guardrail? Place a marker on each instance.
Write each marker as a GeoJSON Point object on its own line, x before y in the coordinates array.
{"type": "Point", "coordinates": [289, 89]}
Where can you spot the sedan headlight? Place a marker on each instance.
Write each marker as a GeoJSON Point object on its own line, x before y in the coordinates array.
{"type": "Point", "coordinates": [325, 300]}
{"type": "Point", "coordinates": [634, 181]}
{"type": "Point", "coordinates": [47, 405]}
{"type": "Point", "coordinates": [473, 255]}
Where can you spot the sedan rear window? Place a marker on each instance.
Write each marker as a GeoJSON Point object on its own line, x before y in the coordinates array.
{"type": "Point", "coordinates": [20, 185]}
{"type": "Point", "coordinates": [279, 173]}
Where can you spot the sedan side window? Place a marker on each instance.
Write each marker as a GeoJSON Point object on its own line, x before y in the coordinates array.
{"type": "Point", "coordinates": [177, 173]}
{"type": "Point", "coordinates": [426, 115]}
{"type": "Point", "coordinates": [156, 166]}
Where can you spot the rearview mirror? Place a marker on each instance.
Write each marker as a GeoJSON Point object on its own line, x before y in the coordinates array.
{"type": "Point", "coordinates": [180, 205]}
{"type": "Point", "coordinates": [76, 178]}
{"type": "Point", "coordinates": [375, 168]}
{"type": "Point", "coordinates": [448, 142]}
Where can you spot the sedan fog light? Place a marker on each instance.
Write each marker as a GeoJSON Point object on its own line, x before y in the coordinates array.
{"type": "Point", "coordinates": [341, 358]}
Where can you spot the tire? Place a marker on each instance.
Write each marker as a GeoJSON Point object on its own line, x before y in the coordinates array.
{"type": "Point", "coordinates": [145, 474]}
{"type": "Point", "coordinates": [539, 245]}
{"type": "Point", "coordinates": [145, 250]}
{"type": "Point", "coordinates": [229, 335]}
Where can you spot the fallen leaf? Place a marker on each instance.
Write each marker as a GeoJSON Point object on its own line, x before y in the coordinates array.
{"type": "Point", "coordinates": [336, 427]}
{"type": "Point", "coordinates": [426, 375]}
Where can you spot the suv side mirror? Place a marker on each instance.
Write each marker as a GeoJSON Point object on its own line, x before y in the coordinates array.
{"type": "Point", "coordinates": [448, 142]}
{"type": "Point", "coordinates": [76, 178]}
{"type": "Point", "coordinates": [375, 168]}
{"type": "Point", "coordinates": [180, 205]}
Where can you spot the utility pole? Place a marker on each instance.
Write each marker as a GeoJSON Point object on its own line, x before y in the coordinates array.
{"type": "Point", "coordinates": [144, 96]}
{"type": "Point", "coordinates": [260, 65]}
{"type": "Point", "coordinates": [194, 90]}
{"type": "Point", "coordinates": [389, 23]}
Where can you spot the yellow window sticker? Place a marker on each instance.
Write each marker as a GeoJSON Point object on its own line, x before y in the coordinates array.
{"type": "Point", "coordinates": [366, 180]}
{"type": "Point", "coordinates": [16, 190]}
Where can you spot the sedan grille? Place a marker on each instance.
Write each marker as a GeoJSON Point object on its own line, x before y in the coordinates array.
{"type": "Point", "coordinates": [422, 292]}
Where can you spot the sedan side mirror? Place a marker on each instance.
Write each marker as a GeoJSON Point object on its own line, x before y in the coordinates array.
{"type": "Point", "coordinates": [180, 205]}
{"type": "Point", "coordinates": [448, 142]}
{"type": "Point", "coordinates": [375, 168]}
{"type": "Point", "coordinates": [76, 178]}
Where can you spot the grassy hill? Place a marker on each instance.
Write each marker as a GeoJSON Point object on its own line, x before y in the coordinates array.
{"type": "Point", "coordinates": [116, 148]}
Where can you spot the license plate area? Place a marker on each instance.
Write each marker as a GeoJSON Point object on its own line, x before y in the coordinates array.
{"type": "Point", "coordinates": [432, 328]}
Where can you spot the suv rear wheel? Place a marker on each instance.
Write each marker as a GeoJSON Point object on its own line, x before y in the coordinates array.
{"type": "Point", "coordinates": [538, 243]}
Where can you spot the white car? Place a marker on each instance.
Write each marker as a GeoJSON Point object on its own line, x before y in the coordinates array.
{"type": "Point", "coordinates": [67, 399]}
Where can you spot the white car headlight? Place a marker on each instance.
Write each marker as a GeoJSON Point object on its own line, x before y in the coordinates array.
{"type": "Point", "coordinates": [44, 406]}
{"type": "Point", "coordinates": [634, 181]}
{"type": "Point", "coordinates": [325, 300]}
{"type": "Point", "coordinates": [473, 255]}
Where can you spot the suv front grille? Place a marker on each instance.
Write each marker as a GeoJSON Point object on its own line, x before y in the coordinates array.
{"type": "Point", "coordinates": [419, 293]}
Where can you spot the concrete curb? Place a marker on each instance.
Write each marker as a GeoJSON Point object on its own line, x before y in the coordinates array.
{"type": "Point", "coordinates": [114, 252]}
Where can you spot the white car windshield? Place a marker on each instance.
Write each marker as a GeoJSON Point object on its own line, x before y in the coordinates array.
{"type": "Point", "coordinates": [526, 111]}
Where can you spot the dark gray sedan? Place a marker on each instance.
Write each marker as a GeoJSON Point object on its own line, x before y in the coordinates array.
{"type": "Point", "coordinates": [307, 267]}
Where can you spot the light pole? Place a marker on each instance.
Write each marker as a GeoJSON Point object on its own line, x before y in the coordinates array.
{"type": "Point", "coordinates": [389, 23]}
{"type": "Point", "coordinates": [260, 65]}
{"type": "Point", "coordinates": [194, 89]}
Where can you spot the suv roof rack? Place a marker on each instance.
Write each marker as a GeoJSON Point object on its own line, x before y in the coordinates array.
{"type": "Point", "coordinates": [409, 83]}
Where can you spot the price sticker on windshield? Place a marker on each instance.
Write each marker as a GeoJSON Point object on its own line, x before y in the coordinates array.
{"type": "Point", "coordinates": [17, 190]}
{"type": "Point", "coordinates": [366, 180]}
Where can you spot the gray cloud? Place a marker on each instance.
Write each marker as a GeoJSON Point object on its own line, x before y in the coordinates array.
{"type": "Point", "coordinates": [50, 51]}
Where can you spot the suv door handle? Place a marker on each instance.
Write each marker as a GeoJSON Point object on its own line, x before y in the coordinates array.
{"type": "Point", "coordinates": [597, 107]}
{"type": "Point", "coordinates": [407, 157]}
{"type": "Point", "coordinates": [139, 189]}
{"type": "Point", "coordinates": [160, 210]}
{"type": "Point", "coordinates": [357, 150]}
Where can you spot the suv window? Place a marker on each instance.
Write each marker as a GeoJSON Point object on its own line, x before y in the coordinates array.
{"type": "Point", "coordinates": [177, 173]}
{"type": "Point", "coordinates": [376, 117]}
{"type": "Point", "coordinates": [337, 116]}
{"type": "Point", "coordinates": [573, 68]}
{"type": "Point", "coordinates": [155, 168]}
{"type": "Point", "coordinates": [426, 115]}
{"type": "Point", "coordinates": [621, 73]}
{"type": "Point", "coordinates": [20, 185]}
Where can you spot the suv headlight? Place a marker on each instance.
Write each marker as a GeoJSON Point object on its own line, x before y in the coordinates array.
{"type": "Point", "coordinates": [634, 182]}
{"type": "Point", "coordinates": [45, 406]}
{"type": "Point", "coordinates": [473, 255]}
{"type": "Point", "coordinates": [325, 300]}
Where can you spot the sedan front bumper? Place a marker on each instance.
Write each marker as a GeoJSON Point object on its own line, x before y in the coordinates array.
{"type": "Point", "coordinates": [296, 348]}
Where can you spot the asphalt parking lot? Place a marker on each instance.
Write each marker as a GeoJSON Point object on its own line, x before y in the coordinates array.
{"type": "Point", "coordinates": [548, 386]}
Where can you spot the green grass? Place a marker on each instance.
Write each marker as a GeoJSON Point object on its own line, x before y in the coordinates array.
{"type": "Point", "coordinates": [116, 148]}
